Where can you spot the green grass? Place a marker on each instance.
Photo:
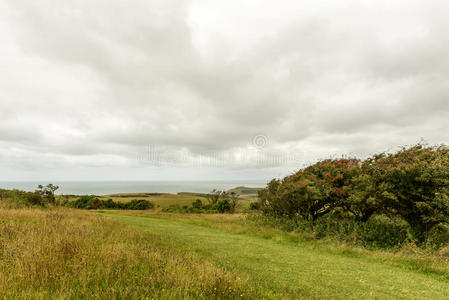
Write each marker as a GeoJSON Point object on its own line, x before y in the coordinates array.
{"type": "Point", "coordinates": [75, 254]}
{"type": "Point", "coordinates": [302, 269]}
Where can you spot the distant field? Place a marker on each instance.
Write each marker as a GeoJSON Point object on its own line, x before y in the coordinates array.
{"type": "Point", "coordinates": [164, 200]}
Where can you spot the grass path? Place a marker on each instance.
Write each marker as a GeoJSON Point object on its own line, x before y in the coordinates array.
{"type": "Point", "coordinates": [296, 270]}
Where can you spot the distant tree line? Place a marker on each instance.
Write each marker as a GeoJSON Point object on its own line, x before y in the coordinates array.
{"type": "Point", "coordinates": [42, 196]}
{"type": "Point", "coordinates": [93, 202]}
{"type": "Point", "coordinates": [45, 196]}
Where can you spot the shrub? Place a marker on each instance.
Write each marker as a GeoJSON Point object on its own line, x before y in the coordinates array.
{"type": "Point", "coordinates": [17, 198]}
{"type": "Point", "coordinates": [254, 206]}
{"type": "Point", "coordinates": [411, 184]}
{"type": "Point", "coordinates": [223, 205]}
{"type": "Point", "coordinates": [139, 204]}
{"type": "Point", "coordinates": [197, 204]}
{"type": "Point", "coordinates": [88, 202]}
{"type": "Point", "coordinates": [312, 192]}
{"type": "Point", "coordinates": [414, 184]}
{"type": "Point", "coordinates": [92, 202]}
{"type": "Point", "coordinates": [438, 236]}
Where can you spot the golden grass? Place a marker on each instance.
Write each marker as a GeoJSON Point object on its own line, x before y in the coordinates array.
{"type": "Point", "coordinates": [65, 253]}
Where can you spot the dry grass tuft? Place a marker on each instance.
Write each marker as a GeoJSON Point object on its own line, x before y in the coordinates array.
{"type": "Point", "coordinates": [67, 253]}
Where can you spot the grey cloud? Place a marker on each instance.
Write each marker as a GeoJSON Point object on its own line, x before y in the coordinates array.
{"type": "Point", "coordinates": [95, 82]}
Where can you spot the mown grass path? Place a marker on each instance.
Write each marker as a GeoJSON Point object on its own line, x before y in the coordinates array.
{"type": "Point", "coordinates": [292, 269]}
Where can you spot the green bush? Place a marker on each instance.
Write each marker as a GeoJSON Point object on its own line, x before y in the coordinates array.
{"type": "Point", "coordinates": [342, 196]}
{"type": "Point", "coordinates": [414, 185]}
{"type": "Point", "coordinates": [139, 204]}
{"type": "Point", "coordinates": [312, 192]}
{"type": "Point", "coordinates": [223, 206]}
{"type": "Point", "coordinates": [438, 236]}
{"type": "Point", "coordinates": [41, 197]}
{"type": "Point", "coordinates": [92, 202]}
{"type": "Point", "coordinates": [88, 202]}
{"type": "Point", "coordinates": [198, 204]}
{"type": "Point", "coordinates": [254, 206]}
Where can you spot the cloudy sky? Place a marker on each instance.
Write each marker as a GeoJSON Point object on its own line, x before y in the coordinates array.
{"type": "Point", "coordinates": [194, 90]}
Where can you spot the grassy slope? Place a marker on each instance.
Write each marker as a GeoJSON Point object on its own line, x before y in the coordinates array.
{"type": "Point", "coordinates": [74, 254]}
{"type": "Point", "coordinates": [301, 269]}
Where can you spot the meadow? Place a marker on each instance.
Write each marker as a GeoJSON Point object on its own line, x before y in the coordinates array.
{"type": "Point", "coordinates": [65, 253]}
{"type": "Point", "coordinates": [75, 254]}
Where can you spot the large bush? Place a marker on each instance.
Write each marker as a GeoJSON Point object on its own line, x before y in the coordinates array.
{"type": "Point", "coordinates": [312, 192]}
{"type": "Point", "coordinates": [411, 184]}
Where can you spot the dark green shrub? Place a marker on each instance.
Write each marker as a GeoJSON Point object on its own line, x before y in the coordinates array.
{"type": "Point", "coordinates": [92, 202]}
{"type": "Point", "coordinates": [139, 204]}
{"type": "Point", "coordinates": [197, 204]}
{"type": "Point", "coordinates": [438, 236]}
{"type": "Point", "coordinates": [17, 198]}
{"type": "Point", "coordinates": [254, 206]}
{"type": "Point", "coordinates": [88, 202]}
{"type": "Point", "coordinates": [382, 232]}
{"type": "Point", "coordinates": [226, 198]}
{"type": "Point", "coordinates": [223, 206]}
{"type": "Point", "coordinates": [111, 204]}
{"type": "Point", "coordinates": [414, 184]}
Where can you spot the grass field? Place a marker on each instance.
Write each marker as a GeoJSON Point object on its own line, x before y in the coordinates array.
{"type": "Point", "coordinates": [300, 269]}
{"type": "Point", "coordinates": [65, 253]}
{"type": "Point", "coordinates": [75, 254]}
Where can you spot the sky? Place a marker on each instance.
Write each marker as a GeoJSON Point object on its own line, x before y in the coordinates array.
{"type": "Point", "coordinates": [215, 90]}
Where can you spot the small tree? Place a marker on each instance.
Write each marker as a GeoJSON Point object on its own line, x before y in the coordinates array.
{"type": "Point", "coordinates": [47, 193]}
{"type": "Point", "coordinates": [214, 196]}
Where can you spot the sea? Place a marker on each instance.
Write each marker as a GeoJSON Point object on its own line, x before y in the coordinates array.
{"type": "Point", "coordinates": [114, 187]}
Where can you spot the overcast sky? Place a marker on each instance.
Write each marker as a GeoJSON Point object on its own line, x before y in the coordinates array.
{"type": "Point", "coordinates": [195, 90]}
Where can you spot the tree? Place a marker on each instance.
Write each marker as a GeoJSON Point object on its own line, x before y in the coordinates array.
{"type": "Point", "coordinates": [222, 200]}
{"type": "Point", "coordinates": [47, 193]}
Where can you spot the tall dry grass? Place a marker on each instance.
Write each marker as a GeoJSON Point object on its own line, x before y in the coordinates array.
{"type": "Point", "coordinates": [74, 254]}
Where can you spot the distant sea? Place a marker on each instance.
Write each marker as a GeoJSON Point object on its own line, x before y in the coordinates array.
{"type": "Point", "coordinates": [113, 187]}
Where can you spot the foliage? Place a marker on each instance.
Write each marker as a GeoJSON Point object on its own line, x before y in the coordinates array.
{"type": "Point", "coordinates": [312, 192]}
{"type": "Point", "coordinates": [218, 202]}
{"type": "Point", "coordinates": [198, 204]}
{"type": "Point", "coordinates": [411, 184]}
{"type": "Point", "coordinates": [414, 184]}
{"type": "Point", "coordinates": [254, 206]}
{"type": "Point", "coordinates": [41, 197]}
{"type": "Point", "coordinates": [223, 205]}
{"type": "Point", "coordinates": [92, 202]}
{"type": "Point", "coordinates": [47, 193]}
